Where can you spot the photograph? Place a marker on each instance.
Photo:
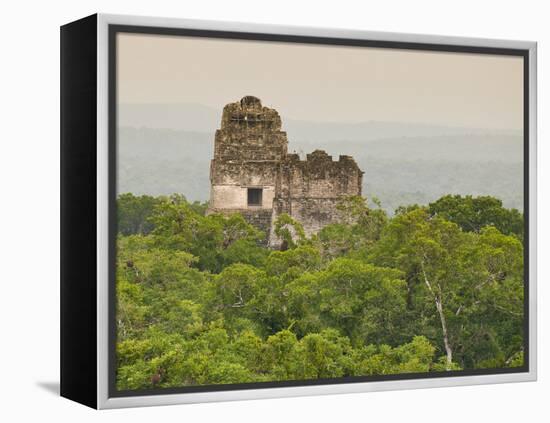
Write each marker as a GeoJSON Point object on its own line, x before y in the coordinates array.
{"type": "Point", "coordinates": [302, 212]}
{"type": "Point", "coordinates": [279, 212]}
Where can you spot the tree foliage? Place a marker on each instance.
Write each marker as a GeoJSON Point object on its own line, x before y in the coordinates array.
{"type": "Point", "coordinates": [474, 213]}
{"type": "Point", "coordinates": [201, 300]}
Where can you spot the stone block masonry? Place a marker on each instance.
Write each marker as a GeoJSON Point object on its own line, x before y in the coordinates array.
{"type": "Point", "coordinates": [253, 174]}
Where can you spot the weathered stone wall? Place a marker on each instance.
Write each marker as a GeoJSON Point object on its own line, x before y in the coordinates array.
{"type": "Point", "coordinates": [244, 173]}
{"type": "Point", "coordinates": [250, 151]}
{"type": "Point", "coordinates": [320, 177]}
{"type": "Point", "coordinates": [261, 219]}
{"type": "Point", "coordinates": [250, 131]}
{"type": "Point", "coordinates": [310, 190]}
{"type": "Point", "coordinates": [315, 213]}
{"type": "Point", "coordinates": [235, 197]}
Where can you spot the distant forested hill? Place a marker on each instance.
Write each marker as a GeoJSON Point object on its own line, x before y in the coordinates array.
{"type": "Point", "coordinates": [418, 166]}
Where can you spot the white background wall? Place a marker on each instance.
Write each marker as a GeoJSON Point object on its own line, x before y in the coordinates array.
{"type": "Point", "coordinates": [29, 239]}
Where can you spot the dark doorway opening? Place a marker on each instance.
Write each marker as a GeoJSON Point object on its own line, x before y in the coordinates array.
{"type": "Point", "coordinates": [254, 196]}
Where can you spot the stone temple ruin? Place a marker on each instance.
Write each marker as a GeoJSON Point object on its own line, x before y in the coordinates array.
{"type": "Point", "coordinates": [252, 173]}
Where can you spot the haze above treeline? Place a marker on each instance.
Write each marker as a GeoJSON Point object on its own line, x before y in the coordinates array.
{"type": "Point", "coordinates": [167, 148]}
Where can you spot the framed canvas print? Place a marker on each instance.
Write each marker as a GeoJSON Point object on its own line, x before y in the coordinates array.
{"type": "Point", "coordinates": [253, 211]}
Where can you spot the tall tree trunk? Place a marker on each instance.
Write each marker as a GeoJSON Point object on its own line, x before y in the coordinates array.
{"type": "Point", "coordinates": [448, 349]}
{"type": "Point", "coordinates": [439, 307]}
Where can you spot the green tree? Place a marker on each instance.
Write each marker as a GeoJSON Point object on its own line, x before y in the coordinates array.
{"type": "Point", "coordinates": [201, 300]}
{"type": "Point", "coordinates": [474, 213]}
{"type": "Point", "coordinates": [292, 263]}
{"type": "Point", "coordinates": [133, 214]}
{"type": "Point", "coordinates": [358, 231]}
{"type": "Point", "coordinates": [461, 274]}
{"type": "Point", "coordinates": [215, 240]}
{"type": "Point", "coordinates": [366, 302]}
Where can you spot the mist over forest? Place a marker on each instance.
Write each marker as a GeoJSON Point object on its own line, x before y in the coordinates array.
{"type": "Point", "coordinates": [403, 163]}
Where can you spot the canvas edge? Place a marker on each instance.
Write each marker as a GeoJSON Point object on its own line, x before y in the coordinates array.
{"type": "Point", "coordinates": [533, 169]}
{"type": "Point", "coordinates": [103, 400]}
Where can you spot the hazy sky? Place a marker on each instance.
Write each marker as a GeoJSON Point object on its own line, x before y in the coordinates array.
{"type": "Point", "coordinates": [324, 83]}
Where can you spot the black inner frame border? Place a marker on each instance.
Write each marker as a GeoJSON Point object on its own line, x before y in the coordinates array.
{"type": "Point", "coordinates": [114, 29]}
